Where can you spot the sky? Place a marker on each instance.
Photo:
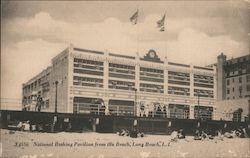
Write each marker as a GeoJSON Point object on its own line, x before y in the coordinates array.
{"type": "Point", "coordinates": [196, 32]}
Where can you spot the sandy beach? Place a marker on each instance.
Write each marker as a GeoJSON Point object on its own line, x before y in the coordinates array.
{"type": "Point", "coordinates": [16, 144]}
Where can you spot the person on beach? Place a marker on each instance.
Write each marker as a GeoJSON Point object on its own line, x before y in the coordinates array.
{"type": "Point", "coordinates": [245, 133]}
{"type": "Point", "coordinates": [204, 135]}
{"type": "Point", "coordinates": [39, 103]}
{"type": "Point", "coordinates": [231, 134]}
{"type": "Point", "coordinates": [142, 108]}
{"type": "Point", "coordinates": [197, 135]}
{"type": "Point", "coordinates": [218, 136]}
{"type": "Point", "coordinates": [123, 132]}
{"type": "Point", "coordinates": [173, 137]}
{"type": "Point", "coordinates": [181, 134]}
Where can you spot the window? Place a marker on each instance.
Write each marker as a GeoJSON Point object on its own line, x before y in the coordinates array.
{"type": "Point", "coordinates": [228, 82]}
{"type": "Point", "coordinates": [240, 72]}
{"type": "Point", "coordinates": [228, 91]}
{"type": "Point", "coordinates": [233, 80]}
{"type": "Point", "coordinates": [240, 79]}
{"type": "Point", "coordinates": [248, 87]}
{"type": "Point", "coordinates": [248, 78]}
{"type": "Point", "coordinates": [240, 89]}
{"type": "Point", "coordinates": [233, 89]}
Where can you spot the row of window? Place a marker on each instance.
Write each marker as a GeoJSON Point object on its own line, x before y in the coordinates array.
{"type": "Point", "coordinates": [144, 87]}
{"type": "Point", "coordinates": [173, 73]}
{"type": "Point", "coordinates": [77, 83]}
{"type": "Point", "coordinates": [36, 84]}
{"type": "Point", "coordinates": [179, 78]}
{"type": "Point", "coordinates": [151, 75]}
{"type": "Point", "coordinates": [178, 91]}
{"type": "Point", "coordinates": [81, 71]}
{"type": "Point", "coordinates": [172, 80]}
{"type": "Point", "coordinates": [87, 81]}
{"type": "Point", "coordinates": [203, 79]}
{"type": "Point", "coordinates": [236, 72]}
{"type": "Point", "coordinates": [146, 74]}
{"type": "Point", "coordinates": [239, 79]}
{"type": "Point", "coordinates": [240, 89]}
{"type": "Point", "coordinates": [157, 71]}
{"type": "Point", "coordinates": [204, 93]}
{"type": "Point", "coordinates": [90, 62]}
{"type": "Point", "coordinates": [125, 71]}
{"type": "Point", "coordinates": [124, 85]}
{"type": "Point", "coordinates": [92, 67]}
{"type": "Point", "coordinates": [121, 66]}
{"type": "Point", "coordinates": [123, 76]}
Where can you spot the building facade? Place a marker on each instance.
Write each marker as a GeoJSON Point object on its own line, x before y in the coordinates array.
{"type": "Point", "coordinates": [37, 86]}
{"type": "Point", "coordinates": [233, 77]}
{"type": "Point", "coordinates": [88, 81]}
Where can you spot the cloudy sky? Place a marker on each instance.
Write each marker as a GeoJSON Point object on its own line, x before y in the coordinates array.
{"type": "Point", "coordinates": [32, 33]}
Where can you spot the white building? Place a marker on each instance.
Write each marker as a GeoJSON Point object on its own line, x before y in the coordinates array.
{"type": "Point", "coordinates": [93, 81]}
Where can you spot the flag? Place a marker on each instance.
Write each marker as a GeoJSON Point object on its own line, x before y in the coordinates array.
{"type": "Point", "coordinates": [161, 22]}
{"type": "Point", "coordinates": [134, 17]}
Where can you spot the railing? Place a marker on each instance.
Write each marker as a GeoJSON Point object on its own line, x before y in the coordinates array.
{"type": "Point", "coordinates": [10, 104]}
{"type": "Point", "coordinates": [89, 108]}
{"type": "Point", "coordinates": [125, 110]}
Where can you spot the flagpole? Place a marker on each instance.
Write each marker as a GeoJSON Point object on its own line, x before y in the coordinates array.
{"type": "Point", "coordinates": [166, 43]}
{"type": "Point", "coordinates": [166, 39]}
{"type": "Point", "coordinates": [137, 29]}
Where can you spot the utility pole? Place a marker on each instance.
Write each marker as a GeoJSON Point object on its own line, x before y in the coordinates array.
{"type": "Point", "coordinates": [198, 113]}
{"type": "Point", "coordinates": [135, 103]}
{"type": "Point", "coordinates": [56, 97]}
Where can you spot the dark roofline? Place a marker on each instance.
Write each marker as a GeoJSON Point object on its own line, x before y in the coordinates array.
{"type": "Point", "coordinates": [203, 68]}
{"type": "Point", "coordinates": [177, 64]}
{"type": "Point", "coordinates": [88, 51]}
{"type": "Point", "coordinates": [155, 61]}
{"type": "Point", "coordinates": [248, 55]}
{"type": "Point", "coordinates": [121, 56]}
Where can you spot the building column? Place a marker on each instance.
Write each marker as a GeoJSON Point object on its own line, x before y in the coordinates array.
{"type": "Point", "coordinates": [106, 82]}
{"type": "Point", "coordinates": [106, 71]}
{"type": "Point", "coordinates": [192, 83]}
{"type": "Point", "coordinates": [93, 125]}
{"type": "Point", "coordinates": [70, 78]}
{"type": "Point", "coordinates": [191, 111]}
{"type": "Point", "coordinates": [215, 84]}
{"type": "Point", "coordinates": [221, 84]}
{"type": "Point", "coordinates": [165, 77]}
{"type": "Point", "coordinates": [106, 103]}
{"type": "Point", "coordinates": [166, 85]}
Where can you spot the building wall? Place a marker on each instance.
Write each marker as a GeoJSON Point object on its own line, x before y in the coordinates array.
{"type": "Point", "coordinates": [59, 73]}
{"type": "Point", "coordinates": [225, 109]}
{"type": "Point", "coordinates": [144, 80]}
{"type": "Point", "coordinates": [162, 90]}
{"type": "Point", "coordinates": [38, 85]}
{"type": "Point", "coordinates": [238, 87]}
{"type": "Point", "coordinates": [233, 77]}
{"type": "Point", "coordinates": [221, 86]}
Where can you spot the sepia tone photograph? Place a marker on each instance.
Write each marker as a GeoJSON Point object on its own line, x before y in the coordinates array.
{"type": "Point", "coordinates": [125, 79]}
